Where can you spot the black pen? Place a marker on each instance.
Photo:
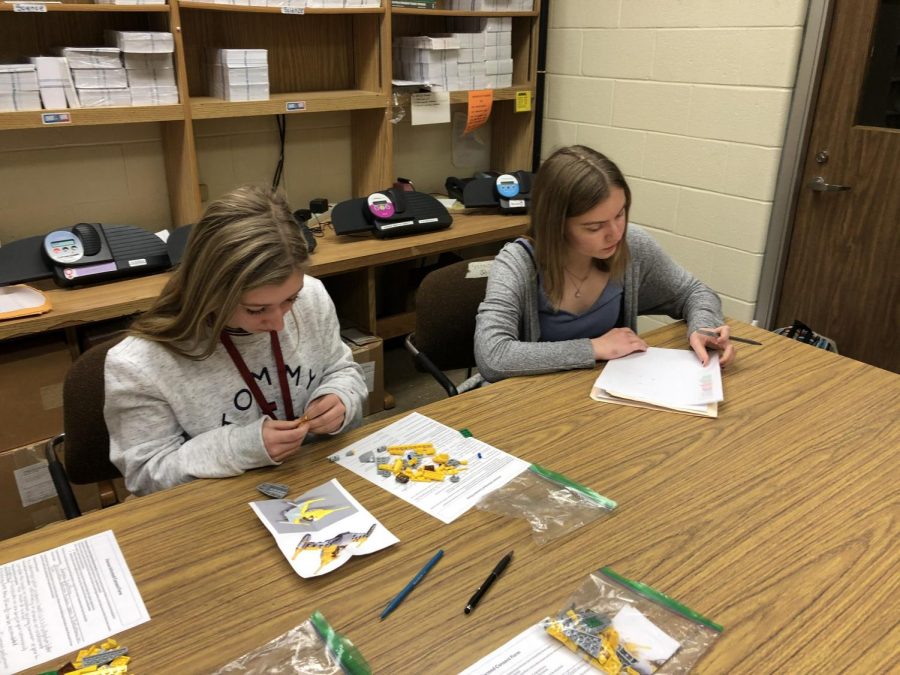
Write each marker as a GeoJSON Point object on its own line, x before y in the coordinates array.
{"type": "Point", "coordinates": [746, 341]}
{"type": "Point", "coordinates": [498, 570]}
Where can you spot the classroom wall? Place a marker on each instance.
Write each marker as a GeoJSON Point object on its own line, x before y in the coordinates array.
{"type": "Point", "coordinates": [690, 98]}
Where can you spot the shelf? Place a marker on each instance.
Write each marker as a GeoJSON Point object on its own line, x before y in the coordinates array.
{"type": "Point", "coordinates": [81, 7]}
{"type": "Point", "coordinates": [31, 119]}
{"type": "Point", "coordinates": [456, 12]}
{"type": "Point", "coordinates": [206, 107]}
{"type": "Point", "coordinates": [192, 4]}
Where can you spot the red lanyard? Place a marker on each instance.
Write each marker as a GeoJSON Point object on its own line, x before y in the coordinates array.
{"type": "Point", "coordinates": [250, 381]}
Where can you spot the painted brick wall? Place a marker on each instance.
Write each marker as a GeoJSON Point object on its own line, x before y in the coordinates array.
{"type": "Point", "coordinates": [690, 98]}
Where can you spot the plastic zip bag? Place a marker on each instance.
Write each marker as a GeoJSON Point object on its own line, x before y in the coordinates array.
{"type": "Point", "coordinates": [312, 647]}
{"type": "Point", "coordinates": [552, 504]}
{"type": "Point", "coordinates": [623, 626]}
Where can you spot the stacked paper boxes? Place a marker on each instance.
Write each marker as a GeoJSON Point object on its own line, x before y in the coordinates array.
{"type": "Point", "coordinates": [55, 81]}
{"type": "Point", "coordinates": [19, 87]}
{"type": "Point", "coordinates": [148, 65]}
{"type": "Point", "coordinates": [479, 56]}
{"type": "Point", "coordinates": [240, 74]}
{"type": "Point", "coordinates": [98, 75]}
{"type": "Point", "coordinates": [130, 2]}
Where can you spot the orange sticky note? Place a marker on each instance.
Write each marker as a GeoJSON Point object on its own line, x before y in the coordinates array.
{"type": "Point", "coordinates": [480, 102]}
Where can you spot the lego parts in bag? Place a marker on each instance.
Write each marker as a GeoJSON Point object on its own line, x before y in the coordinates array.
{"type": "Point", "coordinates": [623, 626]}
{"type": "Point", "coordinates": [312, 647]}
{"type": "Point", "coordinates": [553, 504]}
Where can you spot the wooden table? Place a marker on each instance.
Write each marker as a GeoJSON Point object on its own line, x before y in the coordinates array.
{"type": "Point", "coordinates": [355, 257]}
{"type": "Point", "coordinates": [779, 520]}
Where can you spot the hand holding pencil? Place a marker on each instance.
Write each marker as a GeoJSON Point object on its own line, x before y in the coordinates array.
{"type": "Point", "coordinates": [713, 338]}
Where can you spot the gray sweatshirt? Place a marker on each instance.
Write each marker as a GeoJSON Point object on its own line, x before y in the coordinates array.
{"type": "Point", "coordinates": [173, 419]}
{"type": "Point", "coordinates": [507, 329]}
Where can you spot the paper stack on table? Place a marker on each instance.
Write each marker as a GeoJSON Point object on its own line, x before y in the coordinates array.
{"type": "Point", "coordinates": [662, 379]}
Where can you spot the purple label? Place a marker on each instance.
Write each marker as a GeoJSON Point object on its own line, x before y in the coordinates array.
{"type": "Point", "coordinates": [75, 272]}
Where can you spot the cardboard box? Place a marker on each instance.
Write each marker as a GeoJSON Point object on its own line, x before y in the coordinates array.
{"type": "Point", "coordinates": [32, 371]}
{"type": "Point", "coordinates": [371, 357]}
{"type": "Point", "coordinates": [27, 496]}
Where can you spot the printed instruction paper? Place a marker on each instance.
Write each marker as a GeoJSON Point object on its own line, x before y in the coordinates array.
{"type": "Point", "coordinates": [668, 378]}
{"type": "Point", "coordinates": [322, 529]}
{"type": "Point", "coordinates": [532, 651]}
{"type": "Point", "coordinates": [486, 470]}
{"type": "Point", "coordinates": [61, 600]}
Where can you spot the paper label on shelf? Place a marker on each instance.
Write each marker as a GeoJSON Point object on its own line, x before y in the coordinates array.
{"type": "Point", "coordinates": [294, 106]}
{"type": "Point", "coordinates": [523, 101]}
{"type": "Point", "coordinates": [29, 7]}
{"type": "Point", "coordinates": [293, 10]}
{"type": "Point", "coordinates": [480, 102]}
{"type": "Point", "coordinates": [56, 118]}
{"type": "Point", "coordinates": [431, 107]}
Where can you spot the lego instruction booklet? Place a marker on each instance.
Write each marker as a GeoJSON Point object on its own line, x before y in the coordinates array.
{"type": "Point", "coordinates": [322, 529]}
{"type": "Point", "coordinates": [58, 601]}
{"type": "Point", "coordinates": [430, 465]}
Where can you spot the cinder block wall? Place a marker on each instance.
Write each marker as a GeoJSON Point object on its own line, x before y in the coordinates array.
{"type": "Point", "coordinates": [690, 98]}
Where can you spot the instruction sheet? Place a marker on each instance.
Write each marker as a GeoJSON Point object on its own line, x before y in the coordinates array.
{"type": "Point", "coordinates": [61, 600]}
{"type": "Point", "coordinates": [322, 529]}
{"type": "Point", "coordinates": [482, 468]}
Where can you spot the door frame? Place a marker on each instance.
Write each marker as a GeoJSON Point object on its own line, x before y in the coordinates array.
{"type": "Point", "coordinates": [790, 171]}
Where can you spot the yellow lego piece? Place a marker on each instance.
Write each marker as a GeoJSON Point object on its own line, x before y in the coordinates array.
{"type": "Point", "coordinates": [123, 660]}
{"type": "Point", "coordinates": [113, 670]}
{"type": "Point", "coordinates": [413, 461]}
{"type": "Point", "coordinates": [110, 643]}
{"type": "Point", "coordinates": [398, 466]}
{"type": "Point", "coordinates": [442, 458]}
{"type": "Point", "coordinates": [463, 461]}
{"type": "Point", "coordinates": [385, 467]}
{"type": "Point", "coordinates": [420, 479]}
{"type": "Point", "coordinates": [400, 449]}
{"type": "Point", "coordinates": [432, 475]}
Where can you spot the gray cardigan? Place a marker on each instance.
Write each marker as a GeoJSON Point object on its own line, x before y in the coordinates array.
{"type": "Point", "coordinates": [507, 331]}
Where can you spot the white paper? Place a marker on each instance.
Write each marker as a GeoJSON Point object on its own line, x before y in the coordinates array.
{"type": "Point", "coordinates": [59, 601]}
{"type": "Point", "coordinates": [444, 500]}
{"type": "Point", "coordinates": [655, 645]}
{"type": "Point", "coordinates": [34, 484]}
{"type": "Point", "coordinates": [322, 529]}
{"type": "Point", "coordinates": [666, 377]}
{"type": "Point", "coordinates": [532, 651]}
{"type": "Point", "coordinates": [431, 107]}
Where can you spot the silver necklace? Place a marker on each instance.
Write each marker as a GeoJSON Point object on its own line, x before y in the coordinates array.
{"type": "Point", "coordinates": [579, 282]}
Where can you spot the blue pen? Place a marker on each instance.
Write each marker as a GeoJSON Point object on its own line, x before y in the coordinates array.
{"type": "Point", "coordinates": [392, 605]}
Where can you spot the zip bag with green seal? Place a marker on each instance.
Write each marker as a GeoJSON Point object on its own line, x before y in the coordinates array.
{"type": "Point", "coordinates": [553, 504]}
{"type": "Point", "coordinates": [312, 647]}
{"type": "Point", "coordinates": [624, 627]}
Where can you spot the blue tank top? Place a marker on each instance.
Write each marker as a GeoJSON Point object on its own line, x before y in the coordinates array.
{"type": "Point", "coordinates": [598, 319]}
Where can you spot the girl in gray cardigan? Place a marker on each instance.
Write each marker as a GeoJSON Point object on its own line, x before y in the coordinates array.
{"type": "Point", "coordinates": [569, 295]}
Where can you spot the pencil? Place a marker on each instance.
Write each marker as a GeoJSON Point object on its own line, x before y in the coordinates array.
{"type": "Point", "coordinates": [746, 341]}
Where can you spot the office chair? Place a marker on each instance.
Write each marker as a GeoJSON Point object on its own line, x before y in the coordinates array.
{"type": "Point", "coordinates": [85, 435]}
{"type": "Point", "coordinates": [444, 336]}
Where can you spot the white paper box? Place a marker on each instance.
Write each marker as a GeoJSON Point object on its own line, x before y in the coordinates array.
{"type": "Point", "coordinates": [497, 52]}
{"type": "Point", "coordinates": [148, 61]}
{"type": "Point", "coordinates": [141, 42]}
{"type": "Point", "coordinates": [504, 80]}
{"type": "Point", "coordinates": [91, 57]}
{"type": "Point", "coordinates": [16, 77]}
{"type": "Point", "coordinates": [154, 95]}
{"type": "Point", "coordinates": [429, 42]}
{"type": "Point", "coordinates": [101, 98]}
{"type": "Point", "coordinates": [501, 67]}
{"type": "Point", "coordinates": [19, 100]}
{"type": "Point", "coordinates": [241, 57]}
{"type": "Point", "coordinates": [141, 77]}
{"type": "Point", "coordinates": [100, 78]}
{"type": "Point", "coordinates": [53, 80]}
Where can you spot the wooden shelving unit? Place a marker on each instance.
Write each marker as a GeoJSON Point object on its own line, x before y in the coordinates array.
{"type": "Point", "coordinates": [329, 60]}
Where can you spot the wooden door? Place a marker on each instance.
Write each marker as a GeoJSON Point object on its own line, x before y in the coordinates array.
{"type": "Point", "coordinates": [843, 264]}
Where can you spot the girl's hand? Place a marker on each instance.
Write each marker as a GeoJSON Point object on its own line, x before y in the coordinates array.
{"type": "Point", "coordinates": [700, 343]}
{"type": "Point", "coordinates": [617, 343]}
{"type": "Point", "coordinates": [282, 438]}
{"type": "Point", "coordinates": [326, 414]}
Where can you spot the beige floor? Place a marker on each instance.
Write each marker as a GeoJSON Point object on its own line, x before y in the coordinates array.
{"type": "Point", "coordinates": [409, 387]}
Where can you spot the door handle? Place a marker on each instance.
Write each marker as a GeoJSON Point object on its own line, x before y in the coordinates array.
{"type": "Point", "coordinates": [818, 184]}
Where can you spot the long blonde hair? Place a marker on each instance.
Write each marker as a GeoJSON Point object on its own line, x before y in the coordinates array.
{"type": "Point", "coordinates": [245, 239]}
{"type": "Point", "coordinates": [571, 182]}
